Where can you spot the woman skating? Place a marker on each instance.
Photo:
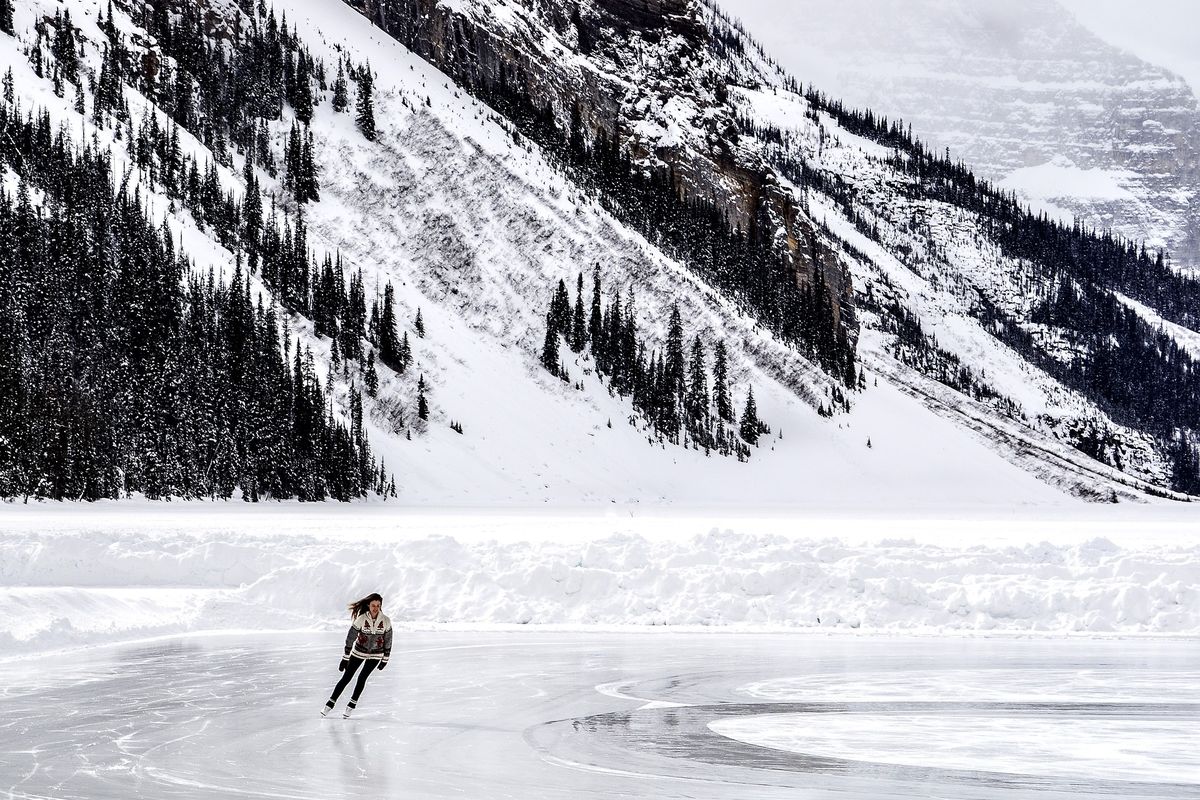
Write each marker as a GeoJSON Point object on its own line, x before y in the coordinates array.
{"type": "Point", "coordinates": [368, 645]}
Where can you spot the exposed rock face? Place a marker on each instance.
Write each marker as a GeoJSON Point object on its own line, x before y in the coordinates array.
{"type": "Point", "coordinates": [646, 71]}
{"type": "Point", "coordinates": [1024, 94]}
{"type": "Point", "coordinates": [644, 13]}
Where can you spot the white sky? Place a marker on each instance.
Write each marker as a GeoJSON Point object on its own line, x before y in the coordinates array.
{"type": "Point", "coordinates": [1162, 32]}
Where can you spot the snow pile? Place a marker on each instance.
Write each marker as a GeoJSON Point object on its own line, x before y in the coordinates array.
{"type": "Point", "coordinates": [58, 586]}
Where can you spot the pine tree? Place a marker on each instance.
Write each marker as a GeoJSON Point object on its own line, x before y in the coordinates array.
{"type": "Point", "coordinates": [419, 324]}
{"type": "Point", "coordinates": [721, 385]}
{"type": "Point", "coordinates": [371, 378]}
{"type": "Point", "coordinates": [6, 17]}
{"type": "Point", "coordinates": [365, 110]}
{"type": "Point", "coordinates": [341, 99]}
{"type": "Point", "coordinates": [422, 403]}
{"type": "Point", "coordinates": [66, 53]}
{"type": "Point", "coordinates": [579, 333]}
{"type": "Point", "coordinates": [405, 352]}
{"type": "Point", "coordinates": [292, 180]}
{"type": "Point", "coordinates": [308, 169]}
{"type": "Point", "coordinates": [560, 310]}
{"type": "Point", "coordinates": [596, 318]}
{"type": "Point", "coordinates": [8, 78]}
{"type": "Point", "coordinates": [389, 339]}
{"type": "Point", "coordinates": [750, 426]}
{"type": "Point", "coordinates": [697, 389]}
{"type": "Point", "coordinates": [550, 346]}
{"type": "Point", "coordinates": [674, 355]}
{"type": "Point", "coordinates": [302, 96]}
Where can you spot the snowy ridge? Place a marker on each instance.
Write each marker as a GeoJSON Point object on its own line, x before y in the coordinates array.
{"type": "Point", "coordinates": [58, 588]}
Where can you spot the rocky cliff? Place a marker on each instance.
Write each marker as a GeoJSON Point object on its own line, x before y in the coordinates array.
{"type": "Point", "coordinates": [649, 72]}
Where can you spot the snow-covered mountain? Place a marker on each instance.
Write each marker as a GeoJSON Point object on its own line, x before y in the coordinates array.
{"type": "Point", "coordinates": [903, 345]}
{"type": "Point", "coordinates": [1022, 92]}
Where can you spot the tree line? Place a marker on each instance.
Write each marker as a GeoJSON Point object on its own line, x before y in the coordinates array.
{"type": "Point", "coordinates": [670, 388]}
{"type": "Point", "coordinates": [122, 372]}
{"type": "Point", "coordinates": [117, 377]}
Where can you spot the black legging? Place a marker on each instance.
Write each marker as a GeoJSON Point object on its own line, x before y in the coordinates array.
{"type": "Point", "coordinates": [368, 666]}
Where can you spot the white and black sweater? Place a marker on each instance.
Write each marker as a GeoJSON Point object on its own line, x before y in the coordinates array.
{"type": "Point", "coordinates": [369, 638]}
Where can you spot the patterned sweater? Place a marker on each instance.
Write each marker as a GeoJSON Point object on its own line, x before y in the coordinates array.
{"type": "Point", "coordinates": [370, 638]}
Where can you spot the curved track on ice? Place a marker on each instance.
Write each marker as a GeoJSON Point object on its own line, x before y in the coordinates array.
{"type": "Point", "coordinates": [538, 715]}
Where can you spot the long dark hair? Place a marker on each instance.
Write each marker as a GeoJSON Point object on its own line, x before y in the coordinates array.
{"type": "Point", "coordinates": [360, 607]}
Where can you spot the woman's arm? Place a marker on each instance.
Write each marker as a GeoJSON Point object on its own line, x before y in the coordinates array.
{"type": "Point", "coordinates": [351, 635]}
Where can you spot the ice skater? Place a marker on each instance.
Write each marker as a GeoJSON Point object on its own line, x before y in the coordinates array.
{"type": "Point", "coordinates": [368, 646]}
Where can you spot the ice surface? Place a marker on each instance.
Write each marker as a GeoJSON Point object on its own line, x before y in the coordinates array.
{"type": "Point", "coordinates": [1060, 744]}
{"type": "Point", "coordinates": [519, 715]}
{"type": "Point", "coordinates": [1049, 725]}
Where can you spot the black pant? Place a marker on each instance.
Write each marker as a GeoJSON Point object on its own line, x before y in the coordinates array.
{"type": "Point", "coordinates": [368, 666]}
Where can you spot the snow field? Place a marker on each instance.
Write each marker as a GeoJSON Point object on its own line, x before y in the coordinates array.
{"type": "Point", "coordinates": [88, 587]}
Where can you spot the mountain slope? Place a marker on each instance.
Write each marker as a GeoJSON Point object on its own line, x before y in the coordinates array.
{"type": "Point", "coordinates": [472, 223]}
{"type": "Point", "coordinates": [1022, 92]}
{"type": "Point", "coordinates": [799, 153]}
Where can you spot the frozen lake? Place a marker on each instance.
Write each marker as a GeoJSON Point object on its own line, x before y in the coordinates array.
{"type": "Point", "coordinates": [563, 715]}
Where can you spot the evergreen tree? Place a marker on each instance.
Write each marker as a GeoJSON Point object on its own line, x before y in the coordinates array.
{"type": "Point", "coordinates": [579, 333]}
{"type": "Point", "coordinates": [341, 99]}
{"type": "Point", "coordinates": [371, 378]}
{"type": "Point", "coordinates": [422, 403]}
{"type": "Point", "coordinates": [8, 78]}
{"type": "Point", "coordinates": [674, 356]}
{"type": "Point", "coordinates": [6, 17]}
{"type": "Point", "coordinates": [389, 340]}
{"type": "Point", "coordinates": [697, 388]}
{"type": "Point", "coordinates": [1185, 474]}
{"type": "Point", "coordinates": [550, 346]}
{"type": "Point", "coordinates": [365, 110]}
{"type": "Point", "coordinates": [595, 319]}
{"type": "Point", "coordinates": [419, 324]}
{"type": "Point", "coordinates": [291, 163]}
{"type": "Point", "coordinates": [560, 310]}
{"type": "Point", "coordinates": [311, 187]}
{"type": "Point", "coordinates": [302, 96]}
{"type": "Point", "coordinates": [721, 385]}
{"type": "Point", "coordinates": [750, 426]}
{"type": "Point", "coordinates": [66, 52]}
{"type": "Point", "coordinates": [405, 351]}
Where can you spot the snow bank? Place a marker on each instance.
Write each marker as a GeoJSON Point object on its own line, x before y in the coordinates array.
{"type": "Point", "coordinates": [59, 587]}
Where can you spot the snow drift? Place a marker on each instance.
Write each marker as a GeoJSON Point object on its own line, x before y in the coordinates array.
{"type": "Point", "coordinates": [58, 587]}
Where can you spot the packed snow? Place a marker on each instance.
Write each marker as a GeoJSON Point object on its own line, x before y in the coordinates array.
{"type": "Point", "coordinates": [1059, 177]}
{"type": "Point", "coordinates": [85, 581]}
